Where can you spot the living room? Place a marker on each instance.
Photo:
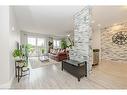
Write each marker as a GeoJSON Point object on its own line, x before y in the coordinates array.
{"type": "Point", "coordinates": [56, 33]}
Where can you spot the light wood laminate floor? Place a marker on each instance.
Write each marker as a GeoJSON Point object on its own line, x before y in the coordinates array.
{"type": "Point", "coordinates": [104, 76]}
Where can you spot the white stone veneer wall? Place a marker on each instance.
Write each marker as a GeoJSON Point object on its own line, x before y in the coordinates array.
{"type": "Point", "coordinates": [109, 50]}
{"type": "Point", "coordinates": [82, 37]}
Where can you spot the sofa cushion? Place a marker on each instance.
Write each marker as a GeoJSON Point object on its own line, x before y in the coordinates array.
{"type": "Point", "coordinates": [61, 51]}
{"type": "Point", "coordinates": [51, 50]}
{"type": "Point", "coordinates": [55, 51]}
{"type": "Point", "coordinates": [58, 54]}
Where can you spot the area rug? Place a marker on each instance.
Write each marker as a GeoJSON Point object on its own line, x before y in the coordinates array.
{"type": "Point", "coordinates": [36, 63]}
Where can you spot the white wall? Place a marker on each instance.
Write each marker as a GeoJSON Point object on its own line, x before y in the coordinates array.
{"type": "Point", "coordinates": [8, 40]}
{"type": "Point", "coordinates": [4, 46]}
{"type": "Point", "coordinates": [96, 40]}
{"type": "Point", "coordinates": [14, 36]}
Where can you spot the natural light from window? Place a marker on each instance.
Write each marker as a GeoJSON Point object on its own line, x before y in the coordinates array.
{"type": "Point", "coordinates": [56, 43]}
{"type": "Point", "coordinates": [40, 42]}
{"type": "Point", "coordinates": [32, 41]}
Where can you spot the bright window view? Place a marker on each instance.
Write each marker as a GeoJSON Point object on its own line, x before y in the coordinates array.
{"type": "Point", "coordinates": [37, 44]}
{"type": "Point", "coordinates": [32, 41]}
{"type": "Point", "coordinates": [40, 42]}
{"type": "Point", "coordinates": [56, 43]}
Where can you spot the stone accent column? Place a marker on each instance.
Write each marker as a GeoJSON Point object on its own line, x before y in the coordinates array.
{"type": "Point", "coordinates": [82, 37]}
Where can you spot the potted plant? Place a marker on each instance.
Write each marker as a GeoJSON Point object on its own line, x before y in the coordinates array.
{"type": "Point", "coordinates": [71, 43]}
{"type": "Point", "coordinates": [42, 50]}
{"type": "Point", "coordinates": [50, 44]}
{"type": "Point", "coordinates": [63, 43]}
{"type": "Point", "coordinates": [17, 54]}
{"type": "Point", "coordinates": [27, 49]}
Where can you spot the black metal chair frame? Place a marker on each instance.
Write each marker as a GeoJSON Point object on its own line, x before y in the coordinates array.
{"type": "Point", "coordinates": [19, 69]}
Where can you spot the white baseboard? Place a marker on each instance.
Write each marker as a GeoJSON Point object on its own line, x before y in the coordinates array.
{"type": "Point", "coordinates": [7, 85]}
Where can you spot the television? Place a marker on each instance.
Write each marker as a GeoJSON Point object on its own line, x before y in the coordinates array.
{"type": "Point", "coordinates": [17, 45]}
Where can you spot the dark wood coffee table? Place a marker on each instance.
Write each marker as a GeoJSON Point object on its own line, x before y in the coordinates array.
{"type": "Point", "coordinates": [76, 68]}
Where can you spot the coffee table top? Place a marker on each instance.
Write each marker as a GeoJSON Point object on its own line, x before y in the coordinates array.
{"type": "Point", "coordinates": [74, 62]}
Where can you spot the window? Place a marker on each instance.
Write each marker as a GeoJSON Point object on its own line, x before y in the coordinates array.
{"type": "Point", "coordinates": [56, 43]}
{"type": "Point", "coordinates": [40, 42]}
{"type": "Point", "coordinates": [32, 41]}
{"type": "Point", "coordinates": [37, 45]}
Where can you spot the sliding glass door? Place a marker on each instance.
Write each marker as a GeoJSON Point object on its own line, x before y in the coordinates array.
{"type": "Point", "coordinates": [41, 46]}
{"type": "Point", "coordinates": [32, 46]}
{"type": "Point", "coordinates": [37, 46]}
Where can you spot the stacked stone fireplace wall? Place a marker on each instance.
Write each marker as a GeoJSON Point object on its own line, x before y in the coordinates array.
{"type": "Point", "coordinates": [82, 37]}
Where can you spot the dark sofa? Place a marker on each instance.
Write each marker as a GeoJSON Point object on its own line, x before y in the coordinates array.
{"type": "Point", "coordinates": [58, 54]}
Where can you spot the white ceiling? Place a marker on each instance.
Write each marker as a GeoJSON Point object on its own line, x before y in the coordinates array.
{"type": "Point", "coordinates": [58, 20]}
{"type": "Point", "coordinates": [108, 15]}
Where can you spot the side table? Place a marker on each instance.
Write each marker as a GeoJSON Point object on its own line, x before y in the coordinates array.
{"type": "Point", "coordinates": [19, 65]}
